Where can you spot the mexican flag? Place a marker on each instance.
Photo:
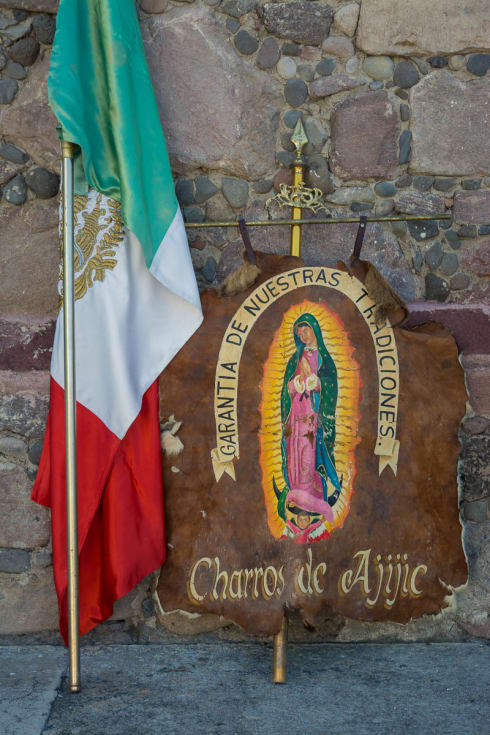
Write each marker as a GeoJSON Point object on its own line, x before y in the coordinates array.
{"type": "Point", "coordinates": [136, 304]}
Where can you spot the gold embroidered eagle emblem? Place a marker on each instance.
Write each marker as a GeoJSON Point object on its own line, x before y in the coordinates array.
{"type": "Point", "coordinates": [99, 230]}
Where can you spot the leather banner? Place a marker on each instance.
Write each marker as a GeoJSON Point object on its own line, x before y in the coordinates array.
{"type": "Point", "coordinates": [314, 455]}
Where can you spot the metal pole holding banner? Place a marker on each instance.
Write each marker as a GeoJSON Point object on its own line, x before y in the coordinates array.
{"type": "Point", "coordinates": [280, 660]}
{"type": "Point", "coordinates": [299, 139]}
{"type": "Point", "coordinates": [70, 419]}
{"type": "Point", "coordinates": [279, 665]}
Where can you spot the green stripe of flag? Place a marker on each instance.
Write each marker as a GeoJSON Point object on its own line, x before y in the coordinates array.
{"type": "Point", "coordinates": [101, 93]}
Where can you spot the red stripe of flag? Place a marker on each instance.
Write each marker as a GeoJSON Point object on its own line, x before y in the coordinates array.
{"type": "Point", "coordinates": [120, 505]}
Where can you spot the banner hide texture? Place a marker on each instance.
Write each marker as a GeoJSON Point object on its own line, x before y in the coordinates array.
{"type": "Point", "coordinates": [320, 447]}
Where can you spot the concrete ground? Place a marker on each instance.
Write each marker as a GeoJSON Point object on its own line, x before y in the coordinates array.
{"type": "Point", "coordinates": [226, 689]}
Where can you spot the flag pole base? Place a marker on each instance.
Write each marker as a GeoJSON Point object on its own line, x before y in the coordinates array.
{"type": "Point", "coordinates": [280, 660]}
{"type": "Point", "coordinates": [75, 688]}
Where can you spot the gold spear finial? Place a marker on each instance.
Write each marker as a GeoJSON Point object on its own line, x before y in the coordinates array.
{"type": "Point", "coordinates": [298, 195]}
{"type": "Point", "coordinates": [299, 139]}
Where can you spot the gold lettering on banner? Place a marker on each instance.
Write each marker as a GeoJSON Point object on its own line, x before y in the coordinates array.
{"type": "Point", "coordinates": [378, 580]}
{"type": "Point", "coordinates": [227, 370]}
{"type": "Point", "coordinates": [393, 578]}
{"type": "Point", "coordinates": [220, 584]}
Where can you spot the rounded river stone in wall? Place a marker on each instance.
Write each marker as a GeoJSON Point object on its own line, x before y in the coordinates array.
{"type": "Point", "coordinates": [295, 92]}
{"type": "Point", "coordinates": [42, 182]}
{"type": "Point", "coordinates": [8, 90]}
{"type": "Point", "coordinates": [25, 51]}
{"type": "Point", "coordinates": [16, 191]}
{"type": "Point", "coordinates": [436, 288]}
{"type": "Point", "coordinates": [269, 54]}
{"type": "Point", "coordinates": [478, 64]}
{"type": "Point", "coordinates": [406, 75]}
{"type": "Point", "coordinates": [245, 43]}
{"type": "Point", "coordinates": [44, 26]}
{"type": "Point", "coordinates": [378, 67]}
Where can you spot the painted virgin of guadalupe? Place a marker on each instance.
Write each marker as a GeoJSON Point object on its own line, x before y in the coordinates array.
{"type": "Point", "coordinates": [308, 405]}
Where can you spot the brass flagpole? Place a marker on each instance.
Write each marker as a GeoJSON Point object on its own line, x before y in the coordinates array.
{"type": "Point", "coordinates": [279, 664]}
{"type": "Point", "coordinates": [280, 656]}
{"type": "Point", "coordinates": [67, 150]}
{"type": "Point", "coordinates": [299, 139]}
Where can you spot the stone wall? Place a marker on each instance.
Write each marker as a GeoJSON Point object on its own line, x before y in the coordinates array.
{"type": "Point", "coordinates": [394, 96]}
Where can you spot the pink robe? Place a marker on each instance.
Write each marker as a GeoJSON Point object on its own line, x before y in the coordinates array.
{"type": "Point", "coordinates": [306, 489]}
